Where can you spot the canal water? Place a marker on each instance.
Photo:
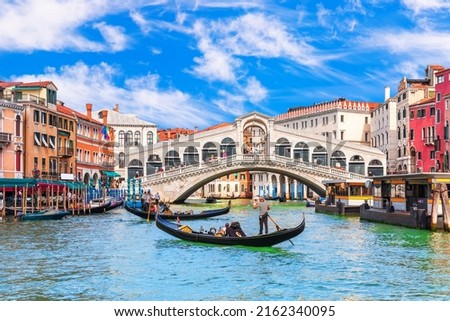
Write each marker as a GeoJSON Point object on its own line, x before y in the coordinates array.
{"type": "Point", "coordinates": [120, 256]}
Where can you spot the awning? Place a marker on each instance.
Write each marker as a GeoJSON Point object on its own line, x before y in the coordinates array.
{"type": "Point", "coordinates": [111, 174]}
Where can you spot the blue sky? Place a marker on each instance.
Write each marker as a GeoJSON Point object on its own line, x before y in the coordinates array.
{"type": "Point", "coordinates": [199, 63]}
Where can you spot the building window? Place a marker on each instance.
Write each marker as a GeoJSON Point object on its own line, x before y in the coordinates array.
{"type": "Point", "coordinates": [37, 139]}
{"type": "Point", "coordinates": [44, 118]}
{"type": "Point", "coordinates": [149, 138]}
{"type": "Point", "coordinates": [129, 138]}
{"type": "Point", "coordinates": [411, 134]}
{"type": "Point", "coordinates": [121, 138]}
{"type": "Point", "coordinates": [438, 116]}
{"type": "Point", "coordinates": [36, 116]}
{"type": "Point", "coordinates": [411, 114]}
{"type": "Point", "coordinates": [438, 97]}
{"type": "Point", "coordinates": [342, 118]}
{"type": "Point", "coordinates": [342, 135]}
{"type": "Point", "coordinates": [137, 138]}
{"type": "Point", "coordinates": [122, 160]}
{"type": "Point", "coordinates": [17, 123]}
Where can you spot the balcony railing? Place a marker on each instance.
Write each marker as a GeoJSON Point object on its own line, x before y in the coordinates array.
{"type": "Point", "coordinates": [25, 98]}
{"type": "Point", "coordinates": [5, 138]}
{"type": "Point", "coordinates": [65, 152]}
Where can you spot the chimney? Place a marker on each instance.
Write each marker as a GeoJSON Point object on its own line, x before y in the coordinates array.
{"type": "Point", "coordinates": [387, 93]}
{"type": "Point", "coordinates": [89, 111]}
{"type": "Point", "coordinates": [116, 107]}
{"type": "Point", "coordinates": [105, 117]}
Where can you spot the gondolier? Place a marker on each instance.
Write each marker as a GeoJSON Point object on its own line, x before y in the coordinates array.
{"type": "Point", "coordinates": [264, 208]}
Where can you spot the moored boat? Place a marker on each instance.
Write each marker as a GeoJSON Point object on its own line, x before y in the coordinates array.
{"type": "Point", "coordinates": [52, 214]}
{"type": "Point", "coordinates": [184, 232]}
{"type": "Point", "coordinates": [168, 214]}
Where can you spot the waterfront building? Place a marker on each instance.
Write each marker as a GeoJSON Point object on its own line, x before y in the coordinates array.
{"type": "Point", "coordinates": [422, 136]}
{"type": "Point", "coordinates": [409, 92]}
{"type": "Point", "coordinates": [131, 136]}
{"type": "Point", "coordinates": [40, 157]}
{"type": "Point", "coordinates": [94, 148]}
{"type": "Point", "coordinates": [442, 120]}
{"type": "Point", "coordinates": [384, 129]}
{"type": "Point", "coordinates": [11, 136]}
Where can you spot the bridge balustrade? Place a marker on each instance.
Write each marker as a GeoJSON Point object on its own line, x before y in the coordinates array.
{"type": "Point", "coordinates": [248, 160]}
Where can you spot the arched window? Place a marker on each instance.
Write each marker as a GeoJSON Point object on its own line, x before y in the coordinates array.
{"type": "Point", "coordinates": [356, 165]}
{"type": "Point", "coordinates": [301, 151]}
{"type": "Point", "coordinates": [283, 147]}
{"type": "Point", "coordinates": [18, 121]}
{"type": "Point", "coordinates": [149, 138]}
{"type": "Point", "coordinates": [320, 156]}
{"type": "Point", "coordinates": [129, 139]}
{"type": "Point", "coordinates": [121, 138]}
{"type": "Point", "coordinates": [137, 138]}
{"type": "Point", "coordinates": [339, 160]}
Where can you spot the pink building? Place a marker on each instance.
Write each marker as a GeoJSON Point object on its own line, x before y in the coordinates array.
{"type": "Point", "coordinates": [442, 119]}
{"type": "Point", "coordinates": [422, 135]}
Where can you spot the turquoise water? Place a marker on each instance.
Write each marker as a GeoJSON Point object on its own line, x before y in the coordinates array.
{"type": "Point", "coordinates": [119, 256]}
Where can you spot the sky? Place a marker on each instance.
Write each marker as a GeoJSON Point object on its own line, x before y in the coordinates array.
{"type": "Point", "coordinates": [202, 62]}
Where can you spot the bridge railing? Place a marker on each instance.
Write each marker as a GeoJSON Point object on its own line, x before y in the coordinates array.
{"type": "Point", "coordinates": [250, 159]}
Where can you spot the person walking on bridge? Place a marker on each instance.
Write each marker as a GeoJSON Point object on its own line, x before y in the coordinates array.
{"type": "Point", "coordinates": [264, 208]}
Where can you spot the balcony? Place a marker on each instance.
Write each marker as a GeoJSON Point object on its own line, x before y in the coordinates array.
{"type": "Point", "coordinates": [429, 140]}
{"type": "Point", "coordinates": [5, 138]}
{"type": "Point", "coordinates": [25, 98]}
{"type": "Point", "coordinates": [65, 152]}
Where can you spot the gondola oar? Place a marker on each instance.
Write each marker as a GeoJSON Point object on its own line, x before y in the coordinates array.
{"type": "Point", "coordinates": [277, 226]}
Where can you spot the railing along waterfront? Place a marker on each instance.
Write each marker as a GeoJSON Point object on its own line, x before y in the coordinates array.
{"type": "Point", "coordinates": [246, 160]}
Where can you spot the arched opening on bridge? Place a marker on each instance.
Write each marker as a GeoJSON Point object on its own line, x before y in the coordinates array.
{"type": "Point", "coordinates": [356, 165]}
{"type": "Point", "coordinates": [154, 164]}
{"type": "Point", "coordinates": [135, 168]}
{"type": "Point", "coordinates": [273, 192]}
{"type": "Point", "coordinates": [320, 156]}
{"type": "Point", "coordinates": [375, 168]}
{"type": "Point", "coordinates": [301, 152]}
{"type": "Point", "coordinates": [227, 147]}
{"type": "Point", "coordinates": [191, 156]}
{"type": "Point", "coordinates": [209, 151]}
{"type": "Point", "coordinates": [172, 159]}
{"type": "Point", "coordinates": [283, 147]}
{"type": "Point", "coordinates": [283, 185]}
{"type": "Point", "coordinates": [339, 160]}
{"type": "Point", "coordinates": [254, 140]}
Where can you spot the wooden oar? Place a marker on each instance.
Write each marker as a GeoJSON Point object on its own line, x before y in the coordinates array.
{"type": "Point", "coordinates": [277, 226]}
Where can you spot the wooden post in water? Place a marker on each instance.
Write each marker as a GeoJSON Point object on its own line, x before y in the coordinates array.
{"type": "Point", "coordinates": [434, 207]}
{"type": "Point", "coordinates": [83, 195]}
{"type": "Point", "coordinates": [445, 208]}
{"type": "Point", "coordinates": [4, 203]}
{"type": "Point", "coordinates": [15, 200]}
{"type": "Point", "coordinates": [39, 198]}
{"type": "Point", "coordinates": [64, 198]}
{"type": "Point", "coordinates": [24, 199]}
{"type": "Point", "coordinates": [32, 199]}
{"type": "Point", "coordinates": [47, 196]}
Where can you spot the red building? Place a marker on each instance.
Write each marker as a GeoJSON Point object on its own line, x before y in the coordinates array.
{"type": "Point", "coordinates": [422, 135]}
{"type": "Point", "coordinates": [442, 119]}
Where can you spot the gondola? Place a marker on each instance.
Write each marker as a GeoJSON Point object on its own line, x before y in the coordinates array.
{"type": "Point", "coordinates": [184, 232]}
{"type": "Point", "coordinates": [43, 215]}
{"type": "Point", "coordinates": [211, 200]}
{"type": "Point", "coordinates": [168, 214]}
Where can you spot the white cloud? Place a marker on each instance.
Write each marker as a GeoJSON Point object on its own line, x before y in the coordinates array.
{"type": "Point", "coordinates": [140, 20]}
{"type": "Point", "coordinates": [60, 25]}
{"type": "Point", "coordinates": [255, 91]}
{"type": "Point", "coordinates": [80, 84]}
{"type": "Point", "coordinates": [423, 6]}
{"type": "Point", "coordinates": [113, 35]}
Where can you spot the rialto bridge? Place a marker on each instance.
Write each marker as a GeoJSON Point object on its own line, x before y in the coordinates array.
{"type": "Point", "coordinates": [253, 142]}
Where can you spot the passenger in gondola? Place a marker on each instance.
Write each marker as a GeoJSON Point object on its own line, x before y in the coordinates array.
{"type": "Point", "coordinates": [229, 231]}
{"type": "Point", "coordinates": [237, 229]}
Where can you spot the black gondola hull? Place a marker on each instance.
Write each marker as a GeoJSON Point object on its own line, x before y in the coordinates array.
{"type": "Point", "coordinates": [263, 240]}
{"type": "Point", "coordinates": [183, 216]}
